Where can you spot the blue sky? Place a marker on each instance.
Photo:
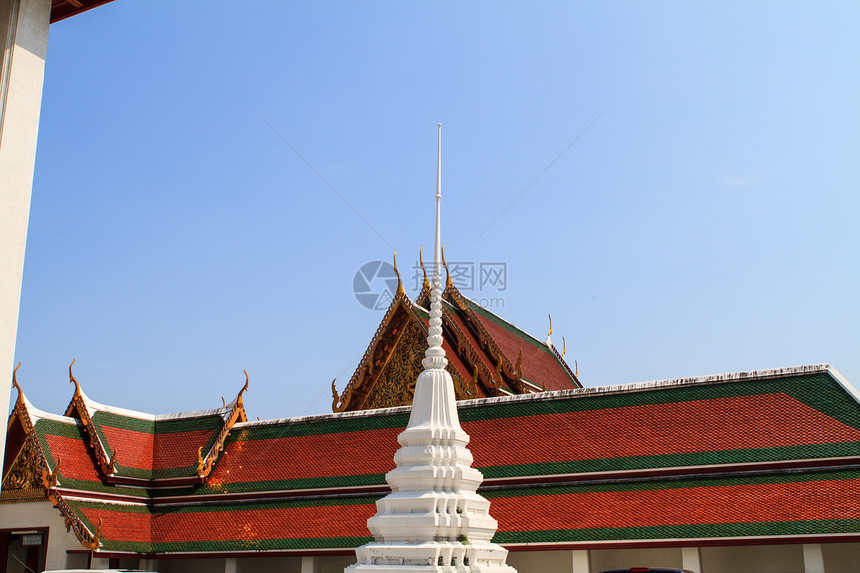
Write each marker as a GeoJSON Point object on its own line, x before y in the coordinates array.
{"type": "Point", "coordinates": [705, 222]}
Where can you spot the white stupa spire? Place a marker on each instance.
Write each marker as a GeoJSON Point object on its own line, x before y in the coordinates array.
{"type": "Point", "coordinates": [433, 519]}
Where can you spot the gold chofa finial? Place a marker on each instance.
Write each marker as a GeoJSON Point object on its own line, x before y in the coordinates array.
{"type": "Point", "coordinates": [15, 378]}
{"type": "Point", "coordinates": [400, 290]}
{"type": "Point", "coordinates": [448, 282]}
{"type": "Point", "coordinates": [549, 335]}
{"type": "Point", "coordinates": [563, 346]}
{"type": "Point", "coordinates": [73, 380]}
{"type": "Point", "coordinates": [426, 284]}
{"type": "Point", "coordinates": [576, 373]}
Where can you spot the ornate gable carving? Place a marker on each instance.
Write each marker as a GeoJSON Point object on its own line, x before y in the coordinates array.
{"type": "Point", "coordinates": [23, 482]}
{"type": "Point", "coordinates": [396, 383]}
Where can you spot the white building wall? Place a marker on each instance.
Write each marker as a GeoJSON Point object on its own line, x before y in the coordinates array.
{"type": "Point", "coordinates": [273, 564]}
{"type": "Point", "coordinates": [541, 561]}
{"type": "Point", "coordinates": [652, 557]}
{"type": "Point", "coordinates": [42, 514]}
{"type": "Point", "coordinates": [841, 557]}
{"type": "Point", "coordinates": [753, 559]}
{"type": "Point", "coordinates": [24, 60]}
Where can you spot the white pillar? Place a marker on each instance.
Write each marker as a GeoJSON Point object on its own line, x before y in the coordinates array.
{"type": "Point", "coordinates": [691, 558]}
{"type": "Point", "coordinates": [230, 565]}
{"type": "Point", "coordinates": [307, 564]}
{"type": "Point", "coordinates": [813, 558]}
{"type": "Point", "coordinates": [581, 562]}
{"type": "Point", "coordinates": [24, 39]}
{"type": "Point", "coordinates": [147, 565]}
{"type": "Point", "coordinates": [100, 563]}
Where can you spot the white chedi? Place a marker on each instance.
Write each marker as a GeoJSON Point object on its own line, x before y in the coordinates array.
{"type": "Point", "coordinates": [433, 519]}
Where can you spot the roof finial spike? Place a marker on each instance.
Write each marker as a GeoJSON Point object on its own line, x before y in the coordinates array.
{"type": "Point", "coordinates": [563, 346]}
{"type": "Point", "coordinates": [73, 380]}
{"type": "Point", "coordinates": [15, 378]}
{"type": "Point", "coordinates": [426, 284]}
{"type": "Point", "coordinates": [448, 282]}
{"type": "Point", "coordinates": [400, 291]}
{"type": "Point", "coordinates": [549, 336]}
{"type": "Point", "coordinates": [434, 356]}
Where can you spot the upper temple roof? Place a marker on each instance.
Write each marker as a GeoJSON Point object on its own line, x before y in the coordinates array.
{"type": "Point", "coordinates": [487, 356]}
{"type": "Point", "coordinates": [731, 457]}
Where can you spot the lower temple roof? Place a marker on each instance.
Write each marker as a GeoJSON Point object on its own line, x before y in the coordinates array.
{"type": "Point", "coordinates": [740, 457]}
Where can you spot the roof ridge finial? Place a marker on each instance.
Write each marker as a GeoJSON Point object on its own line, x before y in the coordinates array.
{"type": "Point", "coordinates": [448, 282]}
{"type": "Point", "coordinates": [434, 356]}
{"type": "Point", "coordinates": [549, 335]}
{"type": "Point", "coordinates": [15, 380]}
{"type": "Point", "coordinates": [426, 284]}
{"type": "Point", "coordinates": [400, 290]}
{"type": "Point", "coordinates": [73, 380]}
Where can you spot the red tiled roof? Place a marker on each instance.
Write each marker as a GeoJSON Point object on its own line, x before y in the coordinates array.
{"type": "Point", "coordinates": [784, 505]}
{"type": "Point", "coordinates": [702, 508]}
{"type": "Point", "coordinates": [720, 424]}
{"type": "Point", "coordinates": [76, 462]}
{"type": "Point", "coordinates": [803, 420]}
{"type": "Point", "coordinates": [321, 455]}
{"type": "Point", "coordinates": [540, 365]}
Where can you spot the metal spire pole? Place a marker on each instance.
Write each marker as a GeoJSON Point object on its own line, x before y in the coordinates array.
{"type": "Point", "coordinates": [434, 356]}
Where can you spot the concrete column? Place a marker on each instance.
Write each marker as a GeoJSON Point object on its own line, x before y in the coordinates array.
{"type": "Point", "coordinates": [100, 563]}
{"type": "Point", "coordinates": [581, 561]}
{"type": "Point", "coordinates": [147, 565]}
{"type": "Point", "coordinates": [307, 564]}
{"type": "Point", "coordinates": [24, 39]}
{"type": "Point", "coordinates": [691, 558]}
{"type": "Point", "coordinates": [813, 558]}
{"type": "Point", "coordinates": [230, 565]}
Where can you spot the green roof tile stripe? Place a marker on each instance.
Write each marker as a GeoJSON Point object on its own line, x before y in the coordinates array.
{"type": "Point", "coordinates": [748, 455]}
{"type": "Point", "coordinates": [279, 485]}
{"type": "Point", "coordinates": [662, 484]}
{"type": "Point", "coordinates": [819, 391]}
{"type": "Point", "coordinates": [317, 426]}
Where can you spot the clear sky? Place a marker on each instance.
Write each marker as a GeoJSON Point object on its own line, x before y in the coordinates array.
{"type": "Point", "coordinates": [704, 219]}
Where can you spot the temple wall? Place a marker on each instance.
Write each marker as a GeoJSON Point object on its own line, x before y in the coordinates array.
{"type": "Point", "coordinates": [541, 561]}
{"type": "Point", "coordinates": [753, 559]}
{"type": "Point", "coordinates": [841, 557]}
{"type": "Point", "coordinates": [837, 557]}
{"type": "Point", "coordinates": [195, 565]}
{"type": "Point", "coordinates": [274, 564]}
{"type": "Point", "coordinates": [39, 514]}
{"type": "Point", "coordinates": [653, 557]}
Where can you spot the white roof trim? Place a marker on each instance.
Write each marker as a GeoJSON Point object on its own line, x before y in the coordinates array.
{"type": "Point", "coordinates": [95, 406]}
{"type": "Point", "coordinates": [593, 391]}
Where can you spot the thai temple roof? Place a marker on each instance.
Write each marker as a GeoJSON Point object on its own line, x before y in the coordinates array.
{"type": "Point", "coordinates": [487, 356]}
{"type": "Point", "coordinates": [733, 458]}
